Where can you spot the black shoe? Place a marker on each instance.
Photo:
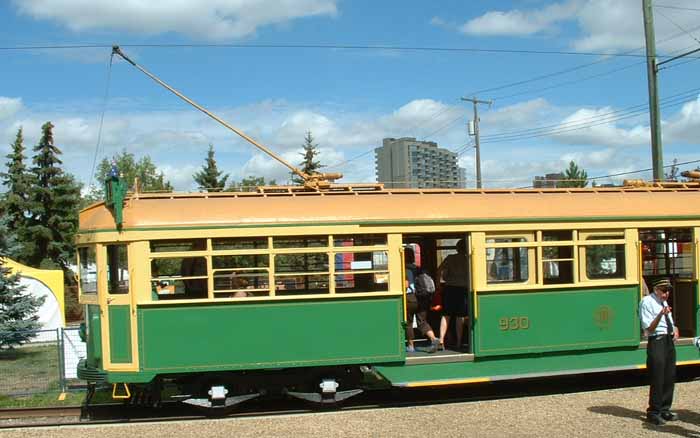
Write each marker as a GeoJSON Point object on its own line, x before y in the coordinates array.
{"type": "Point", "coordinates": [656, 419]}
{"type": "Point", "coordinates": [669, 416]}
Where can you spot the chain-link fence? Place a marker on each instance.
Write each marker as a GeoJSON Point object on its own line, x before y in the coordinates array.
{"type": "Point", "coordinates": [46, 363]}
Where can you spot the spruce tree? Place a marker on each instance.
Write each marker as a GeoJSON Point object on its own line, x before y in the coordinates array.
{"type": "Point", "coordinates": [17, 181]}
{"type": "Point", "coordinates": [574, 176]}
{"type": "Point", "coordinates": [18, 318]}
{"type": "Point", "coordinates": [210, 178]}
{"type": "Point", "coordinates": [54, 203]}
{"type": "Point", "coordinates": [309, 165]}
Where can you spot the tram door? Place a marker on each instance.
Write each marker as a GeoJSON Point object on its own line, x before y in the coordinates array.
{"type": "Point", "coordinates": [119, 325]}
{"type": "Point", "coordinates": [672, 253]}
{"type": "Point", "coordinates": [430, 251]}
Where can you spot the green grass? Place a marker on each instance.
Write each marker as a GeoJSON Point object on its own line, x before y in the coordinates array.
{"type": "Point", "coordinates": [29, 370]}
{"type": "Point", "coordinates": [46, 399]}
{"type": "Point", "coordinates": [30, 378]}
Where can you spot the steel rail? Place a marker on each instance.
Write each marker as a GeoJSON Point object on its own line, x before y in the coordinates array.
{"type": "Point", "coordinates": [381, 399]}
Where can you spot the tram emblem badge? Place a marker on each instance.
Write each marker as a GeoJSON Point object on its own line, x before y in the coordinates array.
{"type": "Point", "coordinates": [603, 317]}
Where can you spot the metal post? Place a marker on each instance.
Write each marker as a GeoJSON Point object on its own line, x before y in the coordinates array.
{"type": "Point", "coordinates": [61, 360]}
{"type": "Point", "coordinates": [475, 101]}
{"type": "Point", "coordinates": [654, 114]}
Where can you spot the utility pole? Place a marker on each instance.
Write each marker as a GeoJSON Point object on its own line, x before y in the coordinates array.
{"type": "Point", "coordinates": [476, 101]}
{"type": "Point", "coordinates": [657, 159]}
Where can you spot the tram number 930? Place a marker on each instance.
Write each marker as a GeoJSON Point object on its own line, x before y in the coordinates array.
{"type": "Point", "coordinates": [514, 323]}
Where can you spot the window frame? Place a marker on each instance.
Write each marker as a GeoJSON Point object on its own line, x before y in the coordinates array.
{"type": "Point", "coordinates": [271, 251]}
{"type": "Point", "coordinates": [535, 244]}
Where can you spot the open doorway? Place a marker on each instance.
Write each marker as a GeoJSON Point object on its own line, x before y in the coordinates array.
{"type": "Point", "coordinates": [670, 253]}
{"type": "Point", "coordinates": [449, 315]}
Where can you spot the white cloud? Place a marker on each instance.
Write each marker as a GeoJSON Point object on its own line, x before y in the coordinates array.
{"type": "Point", "coordinates": [9, 106]}
{"type": "Point", "coordinates": [597, 127]}
{"type": "Point", "coordinates": [605, 25]}
{"type": "Point", "coordinates": [685, 126]}
{"type": "Point", "coordinates": [180, 176]}
{"type": "Point", "coordinates": [177, 141]}
{"type": "Point", "coordinates": [519, 23]}
{"type": "Point", "coordinates": [202, 19]}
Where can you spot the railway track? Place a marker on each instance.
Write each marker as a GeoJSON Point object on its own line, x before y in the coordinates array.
{"type": "Point", "coordinates": [119, 413]}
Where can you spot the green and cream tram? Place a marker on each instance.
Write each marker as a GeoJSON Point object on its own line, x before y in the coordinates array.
{"type": "Point", "coordinates": [232, 295]}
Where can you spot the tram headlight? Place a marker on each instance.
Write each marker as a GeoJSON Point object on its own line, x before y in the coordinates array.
{"type": "Point", "coordinates": [696, 342]}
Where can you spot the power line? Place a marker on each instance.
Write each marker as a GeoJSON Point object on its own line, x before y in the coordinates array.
{"type": "Point", "coordinates": [676, 7]}
{"type": "Point", "coordinates": [329, 47]}
{"type": "Point", "coordinates": [590, 125]}
{"type": "Point", "coordinates": [588, 121]}
{"type": "Point", "coordinates": [581, 66]}
{"type": "Point", "coordinates": [102, 118]}
{"type": "Point", "coordinates": [678, 26]}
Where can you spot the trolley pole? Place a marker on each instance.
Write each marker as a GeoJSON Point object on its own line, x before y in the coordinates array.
{"type": "Point", "coordinates": [476, 101]}
{"type": "Point", "coordinates": [652, 71]}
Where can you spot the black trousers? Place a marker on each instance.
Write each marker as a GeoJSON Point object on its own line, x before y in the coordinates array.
{"type": "Point", "coordinates": [661, 364]}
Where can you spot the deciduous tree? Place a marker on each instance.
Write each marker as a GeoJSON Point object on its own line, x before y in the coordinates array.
{"type": "Point", "coordinates": [149, 179]}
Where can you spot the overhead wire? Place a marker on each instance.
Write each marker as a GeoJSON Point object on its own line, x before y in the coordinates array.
{"type": "Point", "coordinates": [678, 26]}
{"type": "Point", "coordinates": [102, 117]}
{"type": "Point", "coordinates": [606, 58]}
{"type": "Point", "coordinates": [326, 47]}
{"type": "Point", "coordinates": [590, 121]}
{"type": "Point", "coordinates": [565, 129]}
{"type": "Point", "coordinates": [676, 7]}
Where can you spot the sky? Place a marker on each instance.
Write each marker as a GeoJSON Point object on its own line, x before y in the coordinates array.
{"type": "Point", "coordinates": [567, 79]}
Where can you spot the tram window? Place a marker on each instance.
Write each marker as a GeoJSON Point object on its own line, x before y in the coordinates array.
{"type": "Point", "coordinates": [361, 272]}
{"type": "Point", "coordinates": [557, 264]}
{"type": "Point", "coordinates": [88, 269]}
{"type": "Point", "coordinates": [360, 240]}
{"type": "Point", "coordinates": [239, 243]}
{"type": "Point", "coordinates": [178, 245]}
{"type": "Point", "coordinates": [557, 235]}
{"type": "Point", "coordinates": [301, 284]}
{"type": "Point", "coordinates": [254, 282]}
{"type": "Point", "coordinates": [308, 262]}
{"type": "Point", "coordinates": [117, 270]}
{"type": "Point", "coordinates": [361, 282]}
{"type": "Point", "coordinates": [241, 261]}
{"type": "Point", "coordinates": [605, 261]}
{"type": "Point", "coordinates": [507, 265]}
{"type": "Point", "coordinates": [300, 242]}
{"type": "Point", "coordinates": [557, 261]}
{"type": "Point", "coordinates": [241, 273]}
{"type": "Point", "coordinates": [667, 252]}
{"type": "Point", "coordinates": [185, 277]}
{"type": "Point", "coordinates": [361, 261]}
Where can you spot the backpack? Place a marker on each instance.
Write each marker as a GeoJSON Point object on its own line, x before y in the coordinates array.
{"type": "Point", "coordinates": [425, 286]}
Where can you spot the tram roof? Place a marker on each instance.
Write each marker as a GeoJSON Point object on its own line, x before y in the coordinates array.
{"type": "Point", "coordinates": [367, 205]}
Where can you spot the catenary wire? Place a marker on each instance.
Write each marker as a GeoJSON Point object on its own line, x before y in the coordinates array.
{"type": "Point", "coordinates": [102, 117]}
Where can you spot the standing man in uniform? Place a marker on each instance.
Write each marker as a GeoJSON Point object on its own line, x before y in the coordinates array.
{"type": "Point", "coordinates": [657, 322]}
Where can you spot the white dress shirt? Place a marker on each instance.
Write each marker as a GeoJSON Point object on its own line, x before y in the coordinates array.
{"type": "Point", "coordinates": [649, 308]}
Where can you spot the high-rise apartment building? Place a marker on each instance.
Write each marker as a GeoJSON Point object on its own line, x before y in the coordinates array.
{"type": "Point", "coordinates": [410, 163]}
